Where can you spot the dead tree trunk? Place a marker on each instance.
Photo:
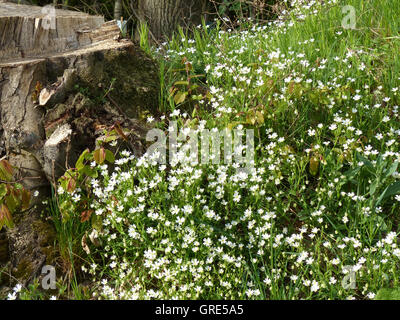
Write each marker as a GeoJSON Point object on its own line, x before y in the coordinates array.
{"type": "Point", "coordinates": [164, 16]}
{"type": "Point", "coordinates": [44, 122]}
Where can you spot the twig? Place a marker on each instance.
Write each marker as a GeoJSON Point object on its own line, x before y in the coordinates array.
{"type": "Point", "coordinates": [19, 180]}
{"type": "Point", "coordinates": [117, 106]}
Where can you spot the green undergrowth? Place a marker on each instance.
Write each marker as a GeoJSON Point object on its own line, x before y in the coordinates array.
{"type": "Point", "coordinates": [316, 216]}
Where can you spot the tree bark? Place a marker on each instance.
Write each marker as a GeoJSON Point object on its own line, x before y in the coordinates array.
{"type": "Point", "coordinates": [164, 16]}
{"type": "Point", "coordinates": [118, 10]}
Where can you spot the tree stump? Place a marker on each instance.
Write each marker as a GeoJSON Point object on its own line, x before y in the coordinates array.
{"type": "Point", "coordinates": [57, 68]}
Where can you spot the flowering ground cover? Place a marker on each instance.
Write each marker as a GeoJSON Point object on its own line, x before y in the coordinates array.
{"type": "Point", "coordinates": [317, 215]}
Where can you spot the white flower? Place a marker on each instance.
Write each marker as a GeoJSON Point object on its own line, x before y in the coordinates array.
{"type": "Point", "coordinates": [371, 295]}
{"type": "Point", "coordinates": [188, 209]}
{"type": "Point", "coordinates": [17, 288]}
{"type": "Point", "coordinates": [12, 296]}
{"type": "Point", "coordinates": [236, 197]}
{"type": "Point", "coordinates": [314, 286]}
{"type": "Point", "coordinates": [150, 119]}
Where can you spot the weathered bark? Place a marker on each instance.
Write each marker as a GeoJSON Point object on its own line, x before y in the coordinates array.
{"type": "Point", "coordinates": [39, 68]}
{"type": "Point", "coordinates": [118, 10]}
{"type": "Point", "coordinates": [164, 16]}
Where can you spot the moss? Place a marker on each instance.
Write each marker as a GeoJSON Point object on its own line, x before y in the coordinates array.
{"type": "Point", "coordinates": [137, 85]}
{"type": "Point", "coordinates": [29, 253]}
{"type": "Point", "coordinates": [50, 253]}
{"type": "Point", "coordinates": [46, 239]}
{"type": "Point", "coordinates": [46, 234]}
{"type": "Point", "coordinates": [23, 270]}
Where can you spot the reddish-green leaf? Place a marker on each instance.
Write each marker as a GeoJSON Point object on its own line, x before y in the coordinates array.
{"type": "Point", "coordinates": [3, 190]}
{"type": "Point", "coordinates": [6, 170]}
{"type": "Point", "coordinates": [25, 199]}
{"type": "Point", "coordinates": [121, 132]}
{"type": "Point", "coordinates": [12, 201]}
{"type": "Point", "coordinates": [71, 185]}
{"type": "Point", "coordinates": [85, 215]}
{"type": "Point", "coordinates": [5, 217]}
{"type": "Point", "coordinates": [314, 165]}
{"type": "Point", "coordinates": [99, 155]}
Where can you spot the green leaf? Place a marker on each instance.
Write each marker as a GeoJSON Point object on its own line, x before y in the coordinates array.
{"type": "Point", "coordinates": [350, 174]}
{"type": "Point", "coordinates": [110, 156]}
{"type": "Point", "coordinates": [391, 170]}
{"type": "Point", "coordinates": [373, 187]}
{"type": "Point", "coordinates": [80, 162]}
{"type": "Point", "coordinates": [180, 97]}
{"type": "Point", "coordinates": [391, 190]}
{"type": "Point", "coordinates": [3, 190]}
{"type": "Point", "coordinates": [194, 86]}
{"type": "Point", "coordinates": [110, 138]}
{"type": "Point", "coordinates": [365, 161]}
{"type": "Point", "coordinates": [90, 172]}
{"type": "Point", "coordinates": [185, 83]}
{"type": "Point", "coordinates": [97, 222]}
{"type": "Point", "coordinates": [233, 124]}
{"type": "Point", "coordinates": [12, 201]}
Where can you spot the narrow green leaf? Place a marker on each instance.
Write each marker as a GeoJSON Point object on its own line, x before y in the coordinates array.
{"type": "Point", "coordinates": [365, 161]}
{"type": "Point", "coordinates": [185, 83]}
{"type": "Point", "coordinates": [391, 170]}
{"type": "Point", "coordinates": [391, 190]}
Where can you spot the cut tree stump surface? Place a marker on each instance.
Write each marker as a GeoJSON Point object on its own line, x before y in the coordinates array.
{"type": "Point", "coordinates": [28, 33]}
